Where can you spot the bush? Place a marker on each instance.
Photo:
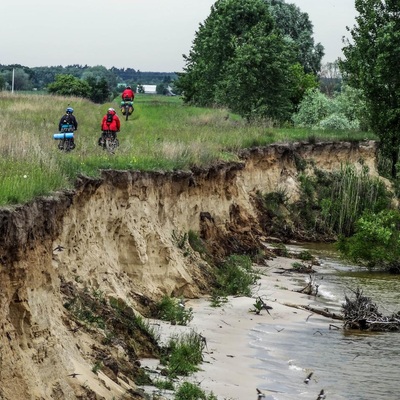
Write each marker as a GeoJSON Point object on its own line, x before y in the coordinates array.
{"type": "Point", "coordinates": [314, 107]}
{"type": "Point", "coordinates": [184, 354]}
{"type": "Point", "coordinates": [346, 111]}
{"type": "Point", "coordinates": [337, 122]}
{"type": "Point", "coordinates": [189, 391]}
{"type": "Point", "coordinates": [376, 242]}
{"type": "Point", "coordinates": [351, 103]}
{"type": "Point", "coordinates": [173, 310]}
{"type": "Point", "coordinates": [196, 243]}
{"type": "Point", "coordinates": [235, 276]}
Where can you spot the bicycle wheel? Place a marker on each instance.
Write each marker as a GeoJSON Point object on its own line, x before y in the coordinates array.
{"type": "Point", "coordinates": [111, 144]}
{"type": "Point", "coordinates": [126, 112]}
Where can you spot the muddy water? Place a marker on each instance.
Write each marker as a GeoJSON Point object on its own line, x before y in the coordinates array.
{"type": "Point", "coordinates": [354, 366]}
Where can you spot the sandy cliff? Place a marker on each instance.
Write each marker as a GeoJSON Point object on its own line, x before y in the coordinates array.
{"type": "Point", "coordinates": [117, 236]}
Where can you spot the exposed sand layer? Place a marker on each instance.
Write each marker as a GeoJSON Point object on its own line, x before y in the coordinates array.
{"type": "Point", "coordinates": [124, 236]}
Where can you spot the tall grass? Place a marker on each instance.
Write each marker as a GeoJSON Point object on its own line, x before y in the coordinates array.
{"type": "Point", "coordinates": [162, 134]}
{"type": "Point", "coordinates": [351, 194]}
{"type": "Point", "coordinates": [333, 202]}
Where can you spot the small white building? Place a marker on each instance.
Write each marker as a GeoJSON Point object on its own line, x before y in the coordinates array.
{"type": "Point", "coordinates": [150, 89]}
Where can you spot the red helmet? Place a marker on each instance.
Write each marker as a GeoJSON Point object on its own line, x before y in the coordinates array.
{"type": "Point", "coordinates": [111, 111]}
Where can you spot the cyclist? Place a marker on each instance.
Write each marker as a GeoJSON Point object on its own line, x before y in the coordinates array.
{"type": "Point", "coordinates": [68, 123]}
{"type": "Point", "coordinates": [128, 94]}
{"type": "Point", "coordinates": [109, 123]}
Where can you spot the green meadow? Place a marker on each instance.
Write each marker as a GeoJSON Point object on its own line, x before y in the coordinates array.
{"type": "Point", "coordinates": [162, 134]}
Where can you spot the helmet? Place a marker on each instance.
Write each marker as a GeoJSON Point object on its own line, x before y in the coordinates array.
{"type": "Point", "coordinates": [69, 110]}
{"type": "Point", "coordinates": [111, 111]}
{"type": "Point", "coordinates": [128, 87]}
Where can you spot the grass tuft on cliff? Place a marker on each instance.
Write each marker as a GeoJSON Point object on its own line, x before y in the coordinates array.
{"type": "Point", "coordinates": [162, 134]}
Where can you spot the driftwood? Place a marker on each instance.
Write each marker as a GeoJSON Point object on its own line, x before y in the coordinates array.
{"type": "Point", "coordinates": [362, 314]}
{"type": "Point", "coordinates": [311, 288]}
{"type": "Point", "coordinates": [324, 313]}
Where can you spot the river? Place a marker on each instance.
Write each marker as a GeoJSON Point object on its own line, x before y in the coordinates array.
{"type": "Point", "coordinates": [347, 365]}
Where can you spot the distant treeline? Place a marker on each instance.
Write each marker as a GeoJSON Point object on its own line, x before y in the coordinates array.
{"type": "Point", "coordinates": [26, 78]}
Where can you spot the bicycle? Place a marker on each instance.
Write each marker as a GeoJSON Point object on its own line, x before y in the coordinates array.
{"type": "Point", "coordinates": [66, 137]}
{"type": "Point", "coordinates": [127, 108]}
{"type": "Point", "coordinates": [109, 141]}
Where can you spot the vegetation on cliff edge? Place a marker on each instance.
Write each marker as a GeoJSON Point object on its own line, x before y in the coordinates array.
{"type": "Point", "coordinates": [163, 134]}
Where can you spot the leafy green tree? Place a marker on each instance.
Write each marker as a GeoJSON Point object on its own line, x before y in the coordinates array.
{"type": "Point", "coordinates": [100, 73]}
{"type": "Point", "coordinates": [330, 78]}
{"type": "Point", "coordinates": [246, 85]}
{"type": "Point", "coordinates": [2, 82]}
{"type": "Point", "coordinates": [372, 64]}
{"type": "Point", "coordinates": [99, 90]}
{"type": "Point", "coordinates": [21, 79]}
{"type": "Point", "coordinates": [376, 243]}
{"type": "Point", "coordinates": [215, 43]}
{"type": "Point", "coordinates": [68, 85]}
{"type": "Point", "coordinates": [161, 88]}
{"type": "Point", "coordinates": [302, 82]}
{"type": "Point", "coordinates": [240, 60]}
{"type": "Point", "coordinates": [297, 27]}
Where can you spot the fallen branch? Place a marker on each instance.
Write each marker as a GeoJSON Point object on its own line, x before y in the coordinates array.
{"type": "Point", "coordinates": [361, 313]}
{"type": "Point", "coordinates": [324, 313]}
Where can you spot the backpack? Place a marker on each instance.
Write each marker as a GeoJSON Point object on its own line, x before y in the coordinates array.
{"type": "Point", "coordinates": [109, 118]}
{"type": "Point", "coordinates": [67, 120]}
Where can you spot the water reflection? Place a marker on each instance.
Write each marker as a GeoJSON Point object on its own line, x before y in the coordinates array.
{"type": "Point", "coordinates": [343, 278]}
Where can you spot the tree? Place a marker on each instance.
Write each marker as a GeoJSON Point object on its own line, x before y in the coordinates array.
{"type": "Point", "coordinates": [330, 78]}
{"type": "Point", "coordinates": [2, 82]}
{"type": "Point", "coordinates": [99, 89]}
{"type": "Point", "coordinates": [162, 88]}
{"type": "Point", "coordinates": [238, 59]}
{"type": "Point", "coordinates": [68, 85]}
{"type": "Point", "coordinates": [257, 82]}
{"type": "Point", "coordinates": [372, 64]}
{"type": "Point", "coordinates": [302, 82]}
{"type": "Point", "coordinates": [297, 27]}
{"type": "Point", "coordinates": [21, 79]}
{"type": "Point", "coordinates": [100, 73]}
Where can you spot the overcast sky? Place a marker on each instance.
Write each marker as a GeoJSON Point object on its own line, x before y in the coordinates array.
{"type": "Point", "coordinates": [147, 35]}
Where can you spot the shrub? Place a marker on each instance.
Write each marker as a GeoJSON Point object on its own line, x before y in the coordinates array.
{"type": "Point", "coordinates": [337, 122]}
{"type": "Point", "coordinates": [189, 391]}
{"type": "Point", "coordinates": [314, 107]}
{"type": "Point", "coordinates": [305, 255]}
{"type": "Point", "coordinates": [165, 384]}
{"type": "Point", "coordinates": [173, 310]}
{"type": "Point", "coordinates": [376, 242]}
{"type": "Point", "coordinates": [184, 353]}
{"type": "Point", "coordinates": [346, 111]}
{"type": "Point", "coordinates": [196, 243]}
{"type": "Point", "coordinates": [332, 202]}
{"type": "Point", "coordinates": [236, 275]}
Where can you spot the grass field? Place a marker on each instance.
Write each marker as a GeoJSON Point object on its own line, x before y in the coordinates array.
{"type": "Point", "coordinates": [162, 134]}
